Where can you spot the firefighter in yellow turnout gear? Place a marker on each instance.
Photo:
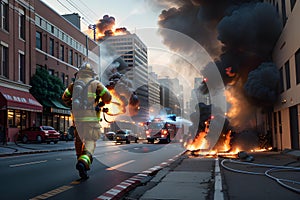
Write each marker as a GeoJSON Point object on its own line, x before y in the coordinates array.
{"type": "Point", "coordinates": [86, 96]}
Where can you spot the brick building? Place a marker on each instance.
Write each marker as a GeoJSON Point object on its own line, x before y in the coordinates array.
{"type": "Point", "coordinates": [32, 36]}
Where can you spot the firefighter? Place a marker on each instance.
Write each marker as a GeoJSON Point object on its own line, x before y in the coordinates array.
{"type": "Point", "coordinates": [87, 96]}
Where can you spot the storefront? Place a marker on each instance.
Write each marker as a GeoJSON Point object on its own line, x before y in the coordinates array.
{"type": "Point", "coordinates": [18, 110]}
{"type": "Point", "coordinates": [57, 115]}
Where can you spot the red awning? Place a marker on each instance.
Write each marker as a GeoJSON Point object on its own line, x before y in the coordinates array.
{"type": "Point", "coordinates": [17, 99]}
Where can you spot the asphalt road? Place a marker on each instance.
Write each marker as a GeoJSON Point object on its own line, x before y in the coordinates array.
{"type": "Point", "coordinates": [250, 180]}
{"type": "Point", "coordinates": [53, 174]}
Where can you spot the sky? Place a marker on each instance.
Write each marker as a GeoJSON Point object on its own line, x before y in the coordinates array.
{"type": "Point", "coordinates": [135, 15]}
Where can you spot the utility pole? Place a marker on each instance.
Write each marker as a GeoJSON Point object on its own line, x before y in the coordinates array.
{"type": "Point", "coordinates": [93, 27]}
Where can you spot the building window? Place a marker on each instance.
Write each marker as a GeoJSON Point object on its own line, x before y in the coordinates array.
{"type": "Point", "coordinates": [4, 61]}
{"type": "Point", "coordinates": [62, 52]}
{"type": "Point", "coordinates": [76, 61]}
{"type": "Point", "coordinates": [297, 61]}
{"type": "Point", "coordinates": [51, 72]}
{"type": "Point", "coordinates": [287, 74]}
{"type": "Point", "coordinates": [63, 78]}
{"type": "Point", "coordinates": [283, 12]}
{"type": "Point", "coordinates": [38, 40]}
{"type": "Point", "coordinates": [21, 67]}
{"type": "Point", "coordinates": [293, 2]}
{"type": "Point", "coordinates": [22, 25]}
{"type": "Point", "coordinates": [71, 57]}
{"type": "Point", "coordinates": [66, 80]}
{"type": "Point", "coordinates": [281, 89]}
{"type": "Point", "coordinates": [51, 46]}
{"type": "Point", "coordinates": [4, 15]}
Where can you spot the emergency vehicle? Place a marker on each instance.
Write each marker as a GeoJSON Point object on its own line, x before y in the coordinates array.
{"type": "Point", "coordinates": [161, 130]}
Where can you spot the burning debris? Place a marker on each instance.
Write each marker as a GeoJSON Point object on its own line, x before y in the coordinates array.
{"type": "Point", "coordinates": [240, 36]}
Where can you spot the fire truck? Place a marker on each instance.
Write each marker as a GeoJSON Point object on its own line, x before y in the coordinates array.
{"type": "Point", "coordinates": [161, 130]}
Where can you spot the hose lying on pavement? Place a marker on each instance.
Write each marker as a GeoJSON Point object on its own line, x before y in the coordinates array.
{"type": "Point", "coordinates": [266, 173]}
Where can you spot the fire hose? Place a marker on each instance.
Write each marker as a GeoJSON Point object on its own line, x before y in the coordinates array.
{"type": "Point", "coordinates": [106, 111]}
{"type": "Point", "coordinates": [273, 168]}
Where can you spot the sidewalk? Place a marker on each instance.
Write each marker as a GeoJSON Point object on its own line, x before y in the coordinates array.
{"type": "Point", "coordinates": [196, 178]}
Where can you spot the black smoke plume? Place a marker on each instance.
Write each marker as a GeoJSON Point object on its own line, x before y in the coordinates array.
{"type": "Point", "coordinates": [238, 34]}
{"type": "Point", "coordinates": [105, 28]}
{"type": "Point", "coordinates": [105, 24]}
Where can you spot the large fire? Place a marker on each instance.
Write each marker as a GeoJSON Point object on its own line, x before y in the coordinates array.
{"type": "Point", "coordinates": [200, 145]}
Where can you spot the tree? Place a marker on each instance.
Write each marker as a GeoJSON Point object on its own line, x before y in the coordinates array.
{"type": "Point", "coordinates": [46, 86]}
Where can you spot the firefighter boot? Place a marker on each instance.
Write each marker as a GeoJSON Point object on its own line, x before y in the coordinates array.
{"type": "Point", "coordinates": [83, 165]}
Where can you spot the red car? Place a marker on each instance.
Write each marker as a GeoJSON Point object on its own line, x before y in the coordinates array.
{"type": "Point", "coordinates": [39, 134]}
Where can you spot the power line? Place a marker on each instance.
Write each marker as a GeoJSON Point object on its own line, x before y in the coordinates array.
{"type": "Point", "coordinates": [64, 6]}
{"type": "Point", "coordinates": [95, 14]}
{"type": "Point", "coordinates": [78, 9]}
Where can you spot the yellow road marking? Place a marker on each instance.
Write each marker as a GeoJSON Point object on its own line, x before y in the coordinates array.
{"type": "Point", "coordinates": [52, 192]}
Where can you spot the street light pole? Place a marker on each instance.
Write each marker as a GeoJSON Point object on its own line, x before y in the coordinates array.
{"type": "Point", "coordinates": [93, 27]}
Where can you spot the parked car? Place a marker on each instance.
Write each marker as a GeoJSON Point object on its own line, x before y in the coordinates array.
{"type": "Point", "coordinates": [39, 134]}
{"type": "Point", "coordinates": [110, 135]}
{"type": "Point", "coordinates": [125, 135]}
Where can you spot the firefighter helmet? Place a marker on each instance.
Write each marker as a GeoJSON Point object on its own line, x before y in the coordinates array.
{"type": "Point", "coordinates": [87, 68]}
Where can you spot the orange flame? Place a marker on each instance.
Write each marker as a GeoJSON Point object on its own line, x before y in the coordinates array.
{"type": "Point", "coordinates": [227, 141]}
{"type": "Point", "coordinates": [199, 142]}
{"type": "Point", "coordinates": [116, 107]}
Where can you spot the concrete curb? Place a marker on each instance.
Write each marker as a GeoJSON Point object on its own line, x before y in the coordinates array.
{"type": "Point", "coordinates": [121, 189]}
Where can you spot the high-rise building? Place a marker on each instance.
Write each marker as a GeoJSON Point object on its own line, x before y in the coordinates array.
{"type": "Point", "coordinates": [134, 52]}
{"type": "Point", "coordinates": [171, 95]}
{"type": "Point", "coordinates": [153, 84]}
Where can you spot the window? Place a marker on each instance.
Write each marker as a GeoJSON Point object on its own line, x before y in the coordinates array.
{"type": "Point", "coordinates": [66, 80]}
{"type": "Point", "coordinates": [283, 12]}
{"type": "Point", "coordinates": [63, 78]}
{"type": "Point", "coordinates": [287, 74]}
{"type": "Point", "coordinates": [51, 72]}
{"type": "Point", "coordinates": [4, 61]}
{"type": "Point", "coordinates": [38, 40]}
{"type": "Point", "coordinates": [71, 57]}
{"type": "Point", "coordinates": [76, 60]}
{"type": "Point", "coordinates": [281, 89]}
{"type": "Point", "coordinates": [21, 67]}
{"type": "Point", "coordinates": [297, 61]}
{"type": "Point", "coordinates": [4, 15]}
{"type": "Point", "coordinates": [62, 52]}
{"type": "Point", "coordinates": [51, 46]}
{"type": "Point", "coordinates": [293, 2]}
{"type": "Point", "coordinates": [22, 24]}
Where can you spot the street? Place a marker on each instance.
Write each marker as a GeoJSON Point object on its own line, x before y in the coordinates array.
{"type": "Point", "coordinates": [262, 178]}
{"type": "Point", "coordinates": [54, 175]}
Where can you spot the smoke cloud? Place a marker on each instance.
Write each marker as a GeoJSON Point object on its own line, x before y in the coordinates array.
{"type": "Point", "coordinates": [240, 36]}
{"type": "Point", "coordinates": [105, 28]}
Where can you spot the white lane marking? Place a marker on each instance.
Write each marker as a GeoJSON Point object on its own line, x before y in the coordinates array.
{"type": "Point", "coordinates": [29, 163]}
{"type": "Point", "coordinates": [120, 165]}
{"type": "Point", "coordinates": [218, 182]}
